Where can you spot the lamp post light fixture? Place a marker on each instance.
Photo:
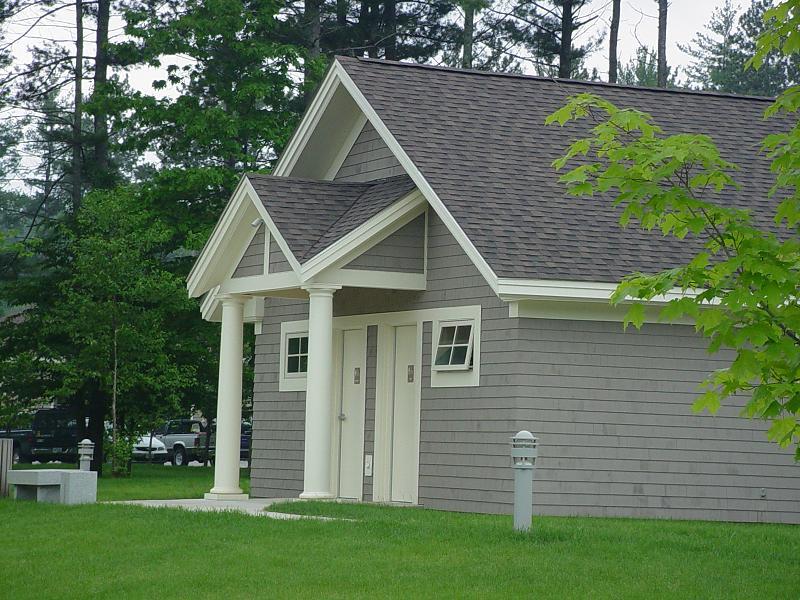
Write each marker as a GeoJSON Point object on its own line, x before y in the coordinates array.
{"type": "Point", "coordinates": [85, 454]}
{"type": "Point", "coordinates": [523, 454]}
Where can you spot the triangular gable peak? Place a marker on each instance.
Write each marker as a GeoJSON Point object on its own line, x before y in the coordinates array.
{"type": "Point", "coordinates": [232, 244]}
{"type": "Point", "coordinates": [278, 234]}
{"type": "Point", "coordinates": [339, 118]}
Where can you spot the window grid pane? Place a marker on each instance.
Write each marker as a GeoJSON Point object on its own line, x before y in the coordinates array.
{"type": "Point", "coordinates": [297, 355]}
{"type": "Point", "coordinates": [453, 349]}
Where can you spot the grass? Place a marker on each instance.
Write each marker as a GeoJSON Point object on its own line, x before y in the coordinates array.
{"type": "Point", "coordinates": [116, 551]}
{"type": "Point", "coordinates": [152, 482]}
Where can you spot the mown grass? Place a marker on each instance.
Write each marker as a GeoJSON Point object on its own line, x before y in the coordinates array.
{"type": "Point", "coordinates": [151, 482]}
{"type": "Point", "coordinates": [115, 551]}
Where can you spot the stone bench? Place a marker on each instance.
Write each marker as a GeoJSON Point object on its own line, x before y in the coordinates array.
{"type": "Point", "coordinates": [58, 486]}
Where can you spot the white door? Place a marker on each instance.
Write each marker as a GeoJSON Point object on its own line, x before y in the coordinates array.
{"type": "Point", "coordinates": [405, 416]}
{"type": "Point", "coordinates": [351, 414]}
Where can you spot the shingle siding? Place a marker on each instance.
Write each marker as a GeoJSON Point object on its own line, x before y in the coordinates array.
{"type": "Point", "coordinates": [618, 435]}
{"type": "Point", "coordinates": [368, 159]}
{"type": "Point", "coordinates": [252, 262]}
{"type": "Point", "coordinates": [403, 251]}
{"type": "Point", "coordinates": [278, 417]}
{"type": "Point", "coordinates": [277, 260]}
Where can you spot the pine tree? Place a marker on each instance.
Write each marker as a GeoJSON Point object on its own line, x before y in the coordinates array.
{"type": "Point", "coordinates": [642, 70]}
{"type": "Point", "coordinates": [721, 53]}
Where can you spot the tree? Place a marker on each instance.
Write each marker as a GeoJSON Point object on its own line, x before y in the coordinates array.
{"type": "Point", "coordinates": [717, 64]}
{"type": "Point", "coordinates": [555, 35]}
{"type": "Point", "coordinates": [663, 73]}
{"type": "Point", "coordinates": [722, 51]}
{"type": "Point", "coordinates": [613, 57]}
{"type": "Point", "coordinates": [741, 289]}
{"type": "Point", "coordinates": [642, 71]}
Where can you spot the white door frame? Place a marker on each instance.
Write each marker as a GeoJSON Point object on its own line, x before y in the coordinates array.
{"type": "Point", "coordinates": [385, 322]}
{"type": "Point", "coordinates": [336, 433]}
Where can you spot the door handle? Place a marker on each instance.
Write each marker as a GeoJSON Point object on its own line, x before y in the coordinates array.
{"type": "Point", "coordinates": [342, 416]}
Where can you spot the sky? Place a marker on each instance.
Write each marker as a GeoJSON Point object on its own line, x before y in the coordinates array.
{"type": "Point", "coordinates": [639, 25]}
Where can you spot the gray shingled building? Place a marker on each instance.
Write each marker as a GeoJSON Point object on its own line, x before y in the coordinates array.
{"type": "Point", "coordinates": [422, 287]}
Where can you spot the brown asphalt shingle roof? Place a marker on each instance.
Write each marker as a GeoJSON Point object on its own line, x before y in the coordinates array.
{"type": "Point", "coordinates": [311, 215]}
{"type": "Point", "coordinates": [480, 141]}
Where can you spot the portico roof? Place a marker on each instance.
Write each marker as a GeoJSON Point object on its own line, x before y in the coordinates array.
{"type": "Point", "coordinates": [311, 215]}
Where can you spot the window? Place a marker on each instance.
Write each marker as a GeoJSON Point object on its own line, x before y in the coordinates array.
{"type": "Point", "coordinates": [454, 349]}
{"type": "Point", "coordinates": [293, 355]}
{"type": "Point", "coordinates": [296, 355]}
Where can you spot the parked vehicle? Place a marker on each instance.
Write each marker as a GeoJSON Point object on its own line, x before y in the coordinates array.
{"type": "Point", "coordinates": [23, 441]}
{"type": "Point", "coordinates": [55, 437]}
{"type": "Point", "coordinates": [150, 449]}
{"type": "Point", "coordinates": [185, 440]}
{"type": "Point", "coordinates": [244, 440]}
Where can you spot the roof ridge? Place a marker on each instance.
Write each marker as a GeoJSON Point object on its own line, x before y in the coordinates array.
{"type": "Point", "coordinates": [308, 180]}
{"type": "Point", "coordinates": [370, 185]}
{"type": "Point", "coordinates": [557, 80]}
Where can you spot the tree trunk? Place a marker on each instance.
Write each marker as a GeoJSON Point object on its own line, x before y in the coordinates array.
{"type": "Point", "coordinates": [390, 29]}
{"type": "Point", "coordinates": [469, 33]}
{"type": "Point", "coordinates": [565, 53]}
{"type": "Point", "coordinates": [373, 35]}
{"type": "Point", "coordinates": [102, 178]}
{"type": "Point", "coordinates": [77, 110]}
{"type": "Point", "coordinates": [97, 416]}
{"type": "Point", "coordinates": [662, 43]}
{"type": "Point", "coordinates": [612, 43]}
{"type": "Point", "coordinates": [114, 465]}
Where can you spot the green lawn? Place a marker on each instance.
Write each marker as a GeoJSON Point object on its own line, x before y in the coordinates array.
{"type": "Point", "coordinates": [155, 482]}
{"type": "Point", "coordinates": [115, 551]}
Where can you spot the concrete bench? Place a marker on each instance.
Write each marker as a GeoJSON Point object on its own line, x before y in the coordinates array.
{"type": "Point", "coordinates": [58, 486]}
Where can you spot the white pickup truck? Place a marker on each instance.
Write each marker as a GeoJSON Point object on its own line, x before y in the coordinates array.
{"type": "Point", "coordinates": [185, 440]}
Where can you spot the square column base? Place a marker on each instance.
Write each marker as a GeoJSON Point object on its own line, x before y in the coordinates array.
{"type": "Point", "coordinates": [317, 496]}
{"type": "Point", "coordinates": [215, 496]}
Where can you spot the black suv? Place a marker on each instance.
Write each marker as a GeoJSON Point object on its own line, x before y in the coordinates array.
{"type": "Point", "coordinates": [55, 437]}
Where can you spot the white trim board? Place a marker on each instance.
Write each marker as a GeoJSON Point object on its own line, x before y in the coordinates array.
{"type": "Point", "coordinates": [570, 310]}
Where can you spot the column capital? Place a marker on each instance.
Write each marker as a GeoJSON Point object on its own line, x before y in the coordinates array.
{"type": "Point", "coordinates": [321, 289]}
{"type": "Point", "coordinates": [232, 299]}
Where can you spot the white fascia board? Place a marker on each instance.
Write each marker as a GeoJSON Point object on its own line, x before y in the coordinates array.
{"type": "Point", "coordinates": [309, 122]}
{"type": "Point", "coordinates": [363, 278]}
{"type": "Point", "coordinates": [260, 284]}
{"type": "Point", "coordinates": [415, 174]}
{"type": "Point", "coordinates": [587, 291]}
{"type": "Point", "coordinates": [194, 281]}
{"type": "Point", "coordinates": [273, 229]}
{"type": "Point", "coordinates": [209, 304]}
{"type": "Point", "coordinates": [383, 224]}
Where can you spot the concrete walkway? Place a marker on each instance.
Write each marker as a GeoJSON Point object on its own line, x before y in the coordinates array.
{"type": "Point", "coordinates": [252, 506]}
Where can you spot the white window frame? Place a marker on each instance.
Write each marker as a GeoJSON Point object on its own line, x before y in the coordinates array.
{"type": "Point", "coordinates": [465, 366]}
{"type": "Point", "coordinates": [291, 382]}
{"type": "Point", "coordinates": [447, 376]}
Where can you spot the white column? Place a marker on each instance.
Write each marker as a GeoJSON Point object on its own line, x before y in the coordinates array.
{"type": "Point", "coordinates": [319, 393]}
{"type": "Point", "coordinates": [229, 403]}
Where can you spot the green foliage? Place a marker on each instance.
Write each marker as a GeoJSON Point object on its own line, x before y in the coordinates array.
{"type": "Point", "coordinates": [108, 279]}
{"type": "Point", "coordinates": [741, 288]}
{"type": "Point", "coordinates": [233, 100]}
{"type": "Point", "coordinates": [120, 453]}
{"type": "Point", "coordinates": [642, 70]}
{"type": "Point", "coordinates": [722, 52]}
